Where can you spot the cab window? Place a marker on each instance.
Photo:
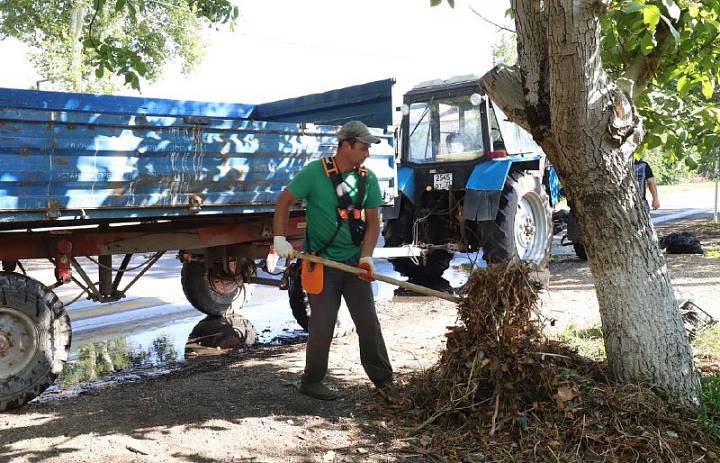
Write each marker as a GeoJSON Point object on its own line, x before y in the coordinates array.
{"type": "Point", "coordinates": [448, 129]}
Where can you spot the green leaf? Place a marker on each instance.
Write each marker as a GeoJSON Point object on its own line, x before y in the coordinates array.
{"type": "Point", "coordinates": [141, 68]}
{"type": "Point", "coordinates": [632, 7]}
{"type": "Point", "coordinates": [690, 162]}
{"type": "Point", "coordinates": [651, 17]}
{"type": "Point", "coordinates": [647, 43]}
{"type": "Point", "coordinates": [683, 85]}
{"type": "Point", "coordinates": [99, 72]}
{"type": "Point", "coordinates": [693, 11]}
{"type": "Point", "coordinates": [119, 5]}
{"type": "Point", "coordinates": [132, 12]}
{"type": "Point", "coordinates": [653, 141]}
{"type": "Point", "coordinates": [708, 88]}
{"type": "Point", "coordinates": [435, 2]}
{"type": "Point", "coordinates": [672, 8]}
{"type": "Point", "coordinates": [451, 3]}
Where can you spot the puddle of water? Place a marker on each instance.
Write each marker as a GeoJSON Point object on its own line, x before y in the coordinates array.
{"type": "Point", "coordinates": [145, 353]}
{"type": "Point", "coordinates": [150, 340]}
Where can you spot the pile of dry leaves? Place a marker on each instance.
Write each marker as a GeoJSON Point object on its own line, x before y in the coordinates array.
{"type": "Point", "coordinates": [501, 392]}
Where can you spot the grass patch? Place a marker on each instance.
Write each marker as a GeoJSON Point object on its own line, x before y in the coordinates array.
{"type": "Point", "coordinates": [587, 341]}
{"type": "Point", "coordinates": [710, 403]}
{"type": "Point", "coordinates": [707, 341]}
{"type": "Point", "coordinates": [713, 254]}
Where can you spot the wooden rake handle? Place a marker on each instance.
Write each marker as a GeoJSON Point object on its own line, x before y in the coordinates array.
{"type": "Point", "coordinates": [358, 271]}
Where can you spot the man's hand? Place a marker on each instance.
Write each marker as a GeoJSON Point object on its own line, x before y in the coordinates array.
{"type": "Point", "coordinates": [283, 248]}
{"type": "Point", "coordinates": [655, 203]}
{"type": "Point", "coordinates": [366, 263]}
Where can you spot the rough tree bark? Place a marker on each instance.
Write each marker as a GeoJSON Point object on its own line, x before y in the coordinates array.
{"type": "Point", "coordinates": [588, 127]}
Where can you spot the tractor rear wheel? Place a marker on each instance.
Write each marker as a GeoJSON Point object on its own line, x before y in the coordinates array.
{"type": "Point", "coordinates": [523, 227]}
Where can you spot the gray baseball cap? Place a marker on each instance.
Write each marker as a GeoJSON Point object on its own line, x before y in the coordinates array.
{"type": "Point", "coordinates": [356, 130]}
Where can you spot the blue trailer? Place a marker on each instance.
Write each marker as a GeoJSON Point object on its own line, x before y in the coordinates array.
{"type": "Point", "coordinates": [98, 176]}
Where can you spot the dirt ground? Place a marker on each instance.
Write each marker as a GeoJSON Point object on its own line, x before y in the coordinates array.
{"type": "Point", "coordinates": [244, 407]}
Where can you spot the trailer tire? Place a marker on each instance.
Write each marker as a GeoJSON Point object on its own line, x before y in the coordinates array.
{"type": "Point", "coordinates": [523, 226]}
{"type": "Point", "coordinates": [34, 339]}
{"type": "Point", "coordinates": [299, 304]}
{"type": "Point", "coordinates": [199, 292]}
{"type": "Point", "coordinates": [397, 232]}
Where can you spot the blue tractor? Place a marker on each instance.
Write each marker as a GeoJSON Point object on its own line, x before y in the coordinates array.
{"type": "Point", "coordinates": [468, 179]}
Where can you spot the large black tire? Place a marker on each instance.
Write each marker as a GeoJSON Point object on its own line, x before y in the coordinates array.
{"type": "Point", "coordinates": [398, 232]}
{"type": "Point", "coordinates": [34, 339]}
{"type": "Point", "coordinates": [299, 303]}
{"type": "Point", "coordinates": [523, 227]}
{"type": "Point", "coordinates": [202, 296]}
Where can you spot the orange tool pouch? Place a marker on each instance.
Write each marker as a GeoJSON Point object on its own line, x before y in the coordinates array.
{"type": "Point", "coordinates": [312, 277]}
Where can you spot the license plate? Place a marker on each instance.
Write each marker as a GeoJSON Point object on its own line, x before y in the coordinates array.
{"type": "Point", "coordinates": [442, 181]}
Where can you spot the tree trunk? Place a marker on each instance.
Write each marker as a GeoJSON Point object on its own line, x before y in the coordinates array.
{"type": "Point", "coordinates": [589, 129]}
{"type": "Point", "coordinates": [77, 16]}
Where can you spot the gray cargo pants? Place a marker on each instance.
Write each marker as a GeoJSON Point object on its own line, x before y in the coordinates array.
{"type": "Point", "coordinates": [323, 314]}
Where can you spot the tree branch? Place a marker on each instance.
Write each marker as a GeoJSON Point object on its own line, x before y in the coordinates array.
{"type": "Point", "coordinates": [503, 84]}
{"type": "Point", "coordinates": [643, 68]}
{"type": "Point", "coordinates": [531, 23]}
{"type": "Point", "coordinates": [490, 22]}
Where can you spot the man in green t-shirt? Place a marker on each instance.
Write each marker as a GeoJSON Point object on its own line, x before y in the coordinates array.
{"type": "Point", "coordinates": [330, 236]}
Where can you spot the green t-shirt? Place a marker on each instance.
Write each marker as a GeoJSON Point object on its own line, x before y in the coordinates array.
{"type": "Point", "coordinates": [321, 202]}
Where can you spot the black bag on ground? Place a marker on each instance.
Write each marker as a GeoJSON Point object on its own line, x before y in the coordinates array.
{"type": "Point", "coordinates": [681, 243]}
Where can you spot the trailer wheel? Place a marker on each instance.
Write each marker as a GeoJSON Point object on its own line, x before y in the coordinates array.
{"type": "Point", "coordinates": [34, 339]}
{"type": "Point", "coordinates": [523, 227]}
{"type": "Point", "coordinates": [212, 299]}
{"type": "Point", "coordinates": [398, 232]}
{"type": "Point", "coordinates": [299, 303]}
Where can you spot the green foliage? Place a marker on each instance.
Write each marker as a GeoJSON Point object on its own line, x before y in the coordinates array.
{"type": "Point", "coordinates": [671, 50]}
{"type": "Point", "coordinates": [710, 403]}
{"type": "Point", "coordinates": [668, 169]}
{"type": "Point", "coordinates": [505, 49]}
{"type": "Point", "coordinates": [439, 2]}
{"type": "Point", "coordinates": [707, 341]}
{"type": "Point", "coordinates": [96, 45]}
